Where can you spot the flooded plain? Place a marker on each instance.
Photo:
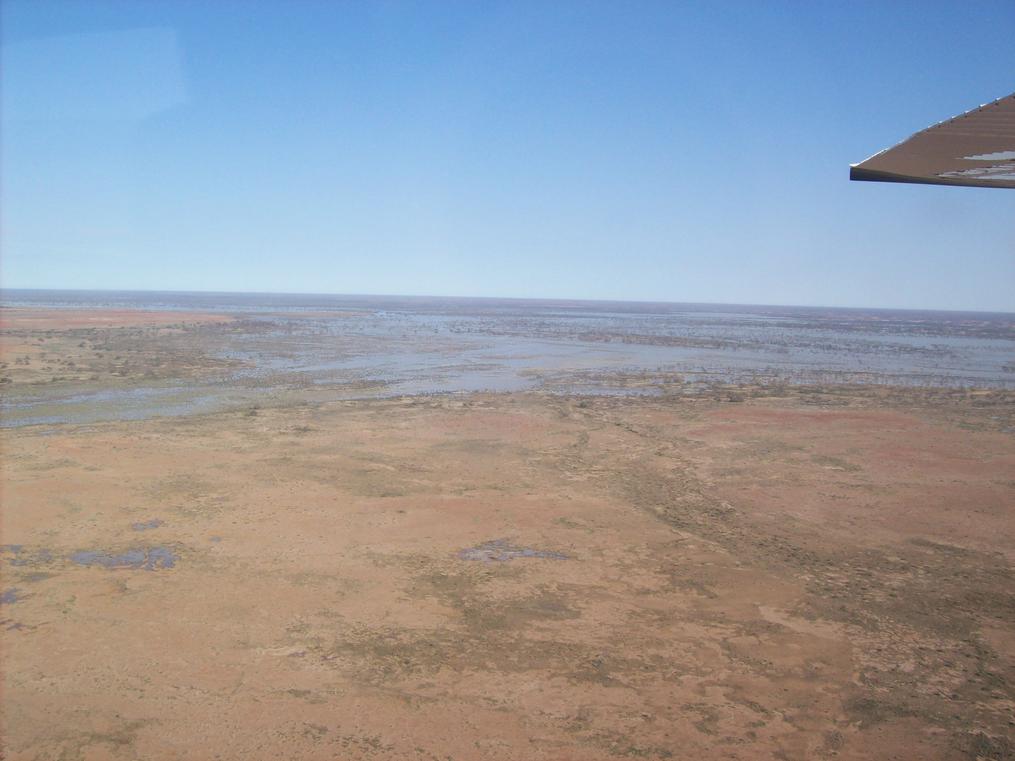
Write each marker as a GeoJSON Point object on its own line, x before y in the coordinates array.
{"type": "Point", "coordinates": [253, 348]}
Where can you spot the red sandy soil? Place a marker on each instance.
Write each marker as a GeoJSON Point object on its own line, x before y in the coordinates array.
{"type": "Point", "coordinates": [102, 346]}
{"type": "Point", "coordinates": [29, 318]}
{"type": "Point", "coordinates": [794, 577]}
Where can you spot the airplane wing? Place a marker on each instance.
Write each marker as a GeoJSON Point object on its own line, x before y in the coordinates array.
{"type": "Point", "coordinates": [975, 149]}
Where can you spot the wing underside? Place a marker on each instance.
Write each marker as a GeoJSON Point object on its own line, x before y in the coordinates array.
{"type": "Point", "coordinates": [975, 149]}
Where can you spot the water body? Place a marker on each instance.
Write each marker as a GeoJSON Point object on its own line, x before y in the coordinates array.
{"type": "Point", "coordinates": [321, 347]}
{"type": "Point", "coordinates": [149, 558]}
{"type": "Point", "coordinates": [148, 525]}
{"type": "Point", "coordinates": [503, 550]}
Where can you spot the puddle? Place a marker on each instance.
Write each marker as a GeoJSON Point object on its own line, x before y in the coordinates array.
{"type": "Point", "coordinates": [501, 551]}
{"type": "Point", "coordinates": [146, 525]}
{"type": "Point", "coordinates": [22, 557]}
{"type": "Point", "coordinates": [9, 596]}
{"type": "Point", "coordinates": [150, 558]}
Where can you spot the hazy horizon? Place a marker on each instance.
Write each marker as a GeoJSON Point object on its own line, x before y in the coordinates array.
{"type": "Point", "coordinates": [535, 299]}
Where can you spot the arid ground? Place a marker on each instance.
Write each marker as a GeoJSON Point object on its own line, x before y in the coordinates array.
{"type": "Point", "coordinates": [784, 572]}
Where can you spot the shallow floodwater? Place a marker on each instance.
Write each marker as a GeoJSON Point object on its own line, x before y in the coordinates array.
{"type": "Point", "coordinates": [306, 348]}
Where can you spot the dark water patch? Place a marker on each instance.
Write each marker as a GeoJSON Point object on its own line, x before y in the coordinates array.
{"type": "Point", "coordinates": [146, 525]}
{"type": "Point", "coordinates": [501, 551]}
{"type": "Point", "coordinates": [9, 596]}
{"type": "Point", "coordinates": [17, 555]}
{"type": "Point", "coordinates": [150, 558]}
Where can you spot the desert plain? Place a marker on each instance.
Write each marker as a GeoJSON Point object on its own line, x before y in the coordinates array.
{"type": "Point", "coordinates": [777, 571]}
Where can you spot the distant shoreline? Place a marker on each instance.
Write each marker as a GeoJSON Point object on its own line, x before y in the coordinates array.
{"type": "Point", "coordinates": [73, 297]}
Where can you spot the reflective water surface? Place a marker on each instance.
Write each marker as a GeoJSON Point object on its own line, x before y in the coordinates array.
{"type": "Point", "coordinates": [307, 348]}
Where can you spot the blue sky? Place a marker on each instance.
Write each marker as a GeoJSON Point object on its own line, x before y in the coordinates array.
{"type": "Point", "coordinates": [630, 150]}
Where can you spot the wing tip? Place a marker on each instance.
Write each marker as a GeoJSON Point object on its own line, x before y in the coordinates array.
{"type": "Point", "coordinates": [936, 173]}
{"type": "Point", "coordinates": [858, 173]}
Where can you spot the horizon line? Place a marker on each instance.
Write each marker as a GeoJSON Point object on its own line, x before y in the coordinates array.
{"type": "Point", "coordinates": [4, 289]}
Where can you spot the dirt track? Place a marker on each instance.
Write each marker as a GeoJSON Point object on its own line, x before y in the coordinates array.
{"type": "Point", "coordinates": [819, 573]}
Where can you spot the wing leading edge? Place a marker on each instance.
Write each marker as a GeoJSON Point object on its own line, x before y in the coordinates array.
{"type": "Point", "coordinates": [974, 149]}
